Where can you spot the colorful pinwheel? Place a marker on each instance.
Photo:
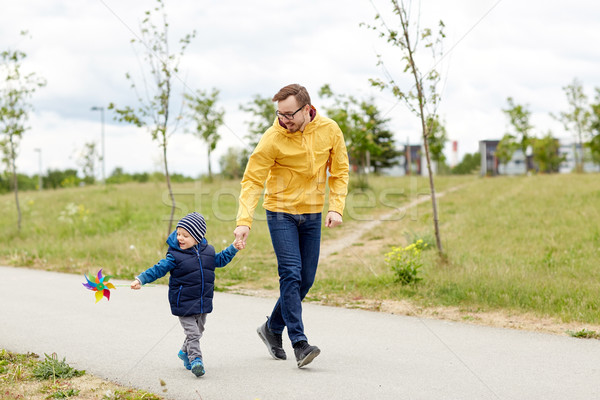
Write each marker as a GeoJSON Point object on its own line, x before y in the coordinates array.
{"type": "Point", "coordinates": [100, 285]}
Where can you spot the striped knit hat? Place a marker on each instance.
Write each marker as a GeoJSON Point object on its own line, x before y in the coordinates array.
{"type": "Point", "coordinates": [194, 223]}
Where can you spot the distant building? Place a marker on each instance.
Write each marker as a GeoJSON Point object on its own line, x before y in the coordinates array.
{"type": "Point", "coordinates": [489, 161]}
{"type": "Point", "coordinates": [412, 161]}
{"type": "Point", "coordinates": [568, 165]}
{"type": "Point", "coordinates": [520, 163]}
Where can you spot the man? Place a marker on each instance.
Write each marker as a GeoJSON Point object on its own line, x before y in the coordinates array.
{"type": "Point", "coordinates": [293, 157]}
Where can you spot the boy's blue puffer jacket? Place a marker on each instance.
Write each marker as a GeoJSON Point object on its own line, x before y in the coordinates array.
{"type": "Point", "coordinates": [192, 281]}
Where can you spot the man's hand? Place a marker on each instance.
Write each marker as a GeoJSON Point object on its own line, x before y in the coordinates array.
{"type": "Point", "coordinates": [241, 234]}
{"type": "Point", "coordinates": [333, 219]}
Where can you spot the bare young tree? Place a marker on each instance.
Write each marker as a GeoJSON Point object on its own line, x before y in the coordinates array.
{"type": "Point", "coordinates": [207, 119]}
{"type": "Point", "coordinates": [422, 98]}
{"type": "Point", "coordinates": [16, 91]}
{"type": "Point", "coordinates": [577, 120]}
{"type": "Point", "coordinates": [154, 108]}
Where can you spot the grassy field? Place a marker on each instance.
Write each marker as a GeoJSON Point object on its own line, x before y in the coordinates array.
{"type": "Point", "coordinates": [524, 244]}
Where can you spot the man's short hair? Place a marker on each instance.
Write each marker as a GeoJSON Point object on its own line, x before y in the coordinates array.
{"type": "Point", "coordinates": [298, 91]}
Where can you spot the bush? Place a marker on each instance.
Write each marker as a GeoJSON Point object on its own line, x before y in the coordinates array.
{"type": "Point", "coordinates": [406, 262]}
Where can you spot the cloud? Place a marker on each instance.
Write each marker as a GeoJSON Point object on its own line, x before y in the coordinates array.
{"type": "Point", "coordinates": [495, 49]}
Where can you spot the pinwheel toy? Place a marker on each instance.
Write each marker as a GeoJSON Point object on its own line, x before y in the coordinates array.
{"type": "Point", "coordinates": [100, 285]}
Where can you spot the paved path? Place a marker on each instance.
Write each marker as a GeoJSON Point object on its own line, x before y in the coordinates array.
{"type": "Point", "coordinates": [133, 340]}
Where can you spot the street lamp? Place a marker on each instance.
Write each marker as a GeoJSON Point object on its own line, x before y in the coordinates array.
{"type": "Point", "coordinates": [101, 109]}
{"type": "Point", "coordinates": [40, 165]}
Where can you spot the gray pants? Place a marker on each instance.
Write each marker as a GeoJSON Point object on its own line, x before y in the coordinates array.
{"type": "Point", "coordinates": [193, 327]}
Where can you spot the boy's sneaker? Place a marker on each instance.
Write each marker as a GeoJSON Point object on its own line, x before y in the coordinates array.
{"type": "Point", "coordinates": [186, 361]}
{"type": "Point", "coordinates": [198, 367]}
{"type": "Point", "coordinates": [305, 353]}
{"type": "Point", "coordinates": [272, 341]}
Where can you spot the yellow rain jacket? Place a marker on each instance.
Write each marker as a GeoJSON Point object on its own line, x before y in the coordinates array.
{"type": "Point", "coordinates": [295, 167]}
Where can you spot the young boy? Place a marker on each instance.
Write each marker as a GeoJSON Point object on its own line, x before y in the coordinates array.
{"type": "Point", "coordinates": [191, 262]}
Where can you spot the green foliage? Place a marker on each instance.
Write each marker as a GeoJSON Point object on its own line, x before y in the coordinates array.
{"type": "Point", "coordinates": [469, 164]}
{"type": "Point", "coordinates": [545, 153]}
{"type": "Point", "coordinates": [506, 148]}
{"type": "Point", "coordinates": [16, 90]}
{"type": "Point", "coordinates": [594, 142]}
{"type": "Point", "coordinates": [60, 389]}
{"type": "Point", "coordinates": [436, 138]}
{"type": "Point", "coordinates": [422, 241]}
{"type": "Point", "coordinates": [406, 262]}
{"type": "Point", "coordinates": [584, 334]}
{"type": "Point", "coordinates": [364, 128]}
{"type": "Point", "coordinates": [233, 163]}
{"type": "Point", "coordinates": [519, 116]}
{"type": "Point", "coordinates": [61, 179]}
{"type": "Point", "coordinates": [577, 119]}
{"type": "Point", "coordinates": [25, 182]}
{"type": "Point", "coordinates": [52, 368]}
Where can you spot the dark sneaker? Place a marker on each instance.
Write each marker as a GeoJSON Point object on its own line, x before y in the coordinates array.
{"type": "Point", "coordinates": [198, 367]}
{"type": "Point", "coordinates": [184, 357]}
{"type": "Point", "coordinates": [272, 341]}
{"type": "Point", "coordinates": [305, 353]}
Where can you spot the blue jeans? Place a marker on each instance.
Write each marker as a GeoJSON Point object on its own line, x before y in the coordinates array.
{"type": "Point", "coordinates": [296, 240]}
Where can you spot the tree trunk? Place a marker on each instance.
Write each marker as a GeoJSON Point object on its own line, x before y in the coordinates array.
{"type": "Point", "coordinates": [168, 177]}
{"type": "Point", "coordinates": [209, 169]}
{"type": "Point", "coordinates": [16, 187]}
{"type": "Point", "coordinates": [421, 99]}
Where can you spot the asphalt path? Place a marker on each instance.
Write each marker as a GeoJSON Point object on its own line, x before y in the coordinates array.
{"type": "Point", "coordinates": [133, 340]}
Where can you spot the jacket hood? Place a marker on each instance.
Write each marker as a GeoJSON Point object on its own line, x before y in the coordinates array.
{"type": "Point", "coordinates": [172, 242]}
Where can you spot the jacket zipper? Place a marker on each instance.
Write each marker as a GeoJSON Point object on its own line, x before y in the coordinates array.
{"type": "Point", "coordinates": [202, 274]}
{"type": "Point", "coordinates": [179, 294]}
{"type": "Point", "coordinates": [309, 152]}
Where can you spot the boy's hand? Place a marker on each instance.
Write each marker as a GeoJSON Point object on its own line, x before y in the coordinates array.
{"type": "Point", "coordinates": [241, 234]}
{"type": "Point", "coordinates": [136, 285]}
{"type": "Point", "coordinates": [238, 244]}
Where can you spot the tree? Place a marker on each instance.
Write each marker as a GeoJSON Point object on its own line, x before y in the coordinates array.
{"type": "Point", "coordinates": [263, 115]}
{"type": "Point", "coordinates": [87, 161]}
{"type": "Point", "coordinates": [594, 143]}
{"type": "Point", "coordinates": [437, 138]}
{"type": "Point", "coordinates": [387, 154]}
{"type": "Point", "coordinates": [518, 116]}
{"type": "Point", "coordinates": [577, 119]}
{"type": "Point", "coordinates": [233, 163]}
{"type": "Point", "coordinates": [154, 108]}
{"type": "Point", "coordinates": [207, 119]}
{"type": "Point", "coordinates": [355, 119]}
{"type": "Point", "coordinates": [56, 178]}
{"type": "Point", "coordinates": [15, 95]}
{"type": "Point", "coordinates": [506, 148]}
{"type": "Point", "coordinates": [469, 164]}
{"type": "Point", "coordinates": [422, 99]}
{"type": "Point", "coordinates": [546, 154]}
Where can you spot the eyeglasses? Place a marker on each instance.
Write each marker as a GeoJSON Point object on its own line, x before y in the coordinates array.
{"type": "Point", "coordinates": [289, 117]}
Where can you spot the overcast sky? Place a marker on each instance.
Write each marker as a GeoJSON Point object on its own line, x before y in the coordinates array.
{"type": "Point", "coordinates": [528, 50]}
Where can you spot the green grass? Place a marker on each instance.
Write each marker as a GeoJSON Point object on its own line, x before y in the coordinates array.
{"type": "Point", "coordinates": [523, 244]}
{"type": "Point", "coordinates": [24, 376]}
